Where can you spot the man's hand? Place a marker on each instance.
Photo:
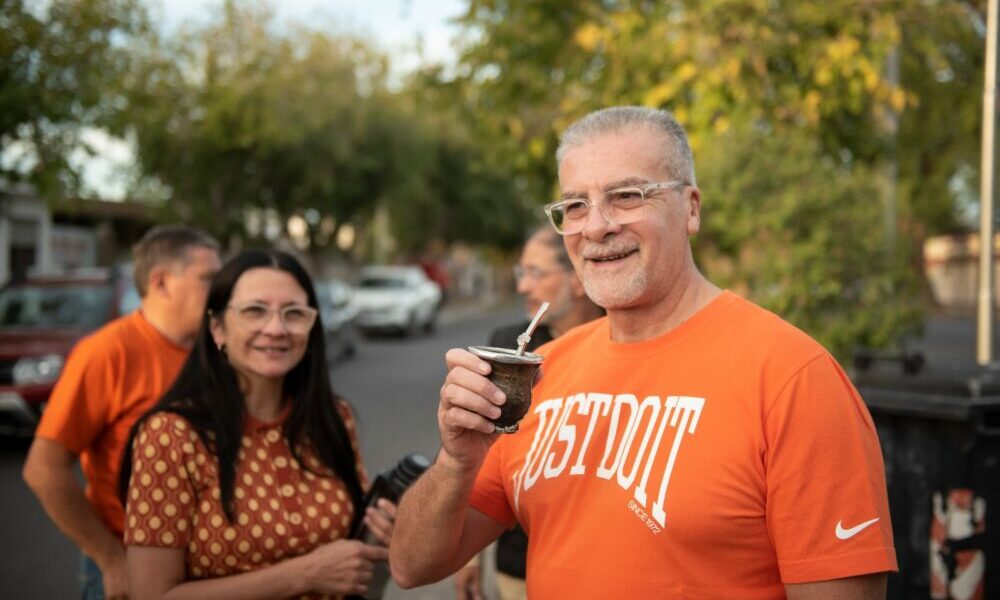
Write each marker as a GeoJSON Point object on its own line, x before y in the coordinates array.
{"type": "Point", "coordinates": [469, 583]}
{"type": "Point", "coordinates": [114, 575]}
{"type": "Point", "coordinates": [468, 403]}
{"type": "Point", "coordinates": [437, 532]}
{"type": "Point", "coordinates": [49, 472]}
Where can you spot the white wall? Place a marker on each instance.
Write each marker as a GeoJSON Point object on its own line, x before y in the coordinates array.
{"type": "Point", "coordinates": [25, 220]}
{"type": "Point", "coordinates": [73, 246]}
{"type": "Point", "coordinates": [951, 264]}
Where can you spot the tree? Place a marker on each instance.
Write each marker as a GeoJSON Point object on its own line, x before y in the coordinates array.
{"type": "Point", "coordinates": [239, 116]}
{"type": "Point", "coordinates": [774, 74]}
{"type": "Point", "coordinates": [61, 64]}
{"type": "Point", "coordinates": [801, 235]}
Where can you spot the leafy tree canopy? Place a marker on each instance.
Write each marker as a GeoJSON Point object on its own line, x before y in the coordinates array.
{"type": "Point", "coordinates": [877, 102]}
{"type": "Point", "coordinates": [239, 116]}
{"type": "Point", "coordinates": [61, 64]}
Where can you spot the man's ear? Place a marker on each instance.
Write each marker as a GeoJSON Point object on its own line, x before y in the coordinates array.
{"type": "Point", "coordinates": [157, 282]}
{"type": "Point", "coordinates": [694, 209]}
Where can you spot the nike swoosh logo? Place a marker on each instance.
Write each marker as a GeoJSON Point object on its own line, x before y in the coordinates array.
{"type": "Point", "coordinates": [846, 534]}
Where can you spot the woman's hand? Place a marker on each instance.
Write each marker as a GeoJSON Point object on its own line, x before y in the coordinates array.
{"type": "Point", "coordinates": [341, 567]}
{"type": "Point", "coordinates": [380, 520]}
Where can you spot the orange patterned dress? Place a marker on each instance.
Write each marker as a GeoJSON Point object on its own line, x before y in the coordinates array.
{"type": "Point", "coordinates": [282, 509]}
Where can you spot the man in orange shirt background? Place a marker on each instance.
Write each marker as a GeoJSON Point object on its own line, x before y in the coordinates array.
{"type": "Point", "coordinates": [689, 445]}
{"type": "Point", "coordinates": [110, 379]}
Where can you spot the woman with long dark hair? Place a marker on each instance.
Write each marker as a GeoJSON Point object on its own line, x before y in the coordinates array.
{"type": "Point", "coordinates": [245, 479]}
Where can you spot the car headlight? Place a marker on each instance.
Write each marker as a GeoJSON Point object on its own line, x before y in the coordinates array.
{"type": "Point", "coordinates": [38, 369]}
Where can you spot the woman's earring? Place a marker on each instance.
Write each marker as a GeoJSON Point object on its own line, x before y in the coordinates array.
{"type": "Point", "coordinates": [222, 348]}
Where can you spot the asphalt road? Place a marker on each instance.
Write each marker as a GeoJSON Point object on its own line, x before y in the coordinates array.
{"type": "Point", "coordinates": [393, 384]}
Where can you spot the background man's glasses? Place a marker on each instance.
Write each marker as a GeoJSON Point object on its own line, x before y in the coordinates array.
{"type": "Point", "coordinates": [619, 207]}
{"type": "Point", "coordinates": [297, 319]}
{"type": "Point", "coordinates": [533, 273]}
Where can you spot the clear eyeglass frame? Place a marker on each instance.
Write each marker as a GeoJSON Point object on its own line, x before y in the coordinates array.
{"type": "Point", "coordinates": [533, 273]}
{"type": "Point", "coordinates": [297, 319]}
{"type": "Point", "coordinates": [619, 206]}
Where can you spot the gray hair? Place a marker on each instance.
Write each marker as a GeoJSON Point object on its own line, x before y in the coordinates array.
{"type": "Point", "coordinates": [677, 157]}
{"type": "Point", "coordinates": [165, 244]}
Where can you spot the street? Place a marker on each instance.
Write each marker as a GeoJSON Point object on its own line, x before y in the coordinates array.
{"type": "Point", "coordinates": [393, 385]}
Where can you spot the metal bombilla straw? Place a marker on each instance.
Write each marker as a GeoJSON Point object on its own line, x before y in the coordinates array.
{"type": "Point", "coordinates": [524, 338]}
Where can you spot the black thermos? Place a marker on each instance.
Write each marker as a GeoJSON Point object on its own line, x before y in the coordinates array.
{"type": "Point", "coordinates": [389, 485]}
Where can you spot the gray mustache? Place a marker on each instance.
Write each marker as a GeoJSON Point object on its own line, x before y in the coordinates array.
{"type": "Point", "coordinates": [606, 250]}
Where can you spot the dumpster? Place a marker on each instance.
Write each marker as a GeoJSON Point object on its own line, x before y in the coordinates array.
{"type": "Point", "coordinates": [940, 436]}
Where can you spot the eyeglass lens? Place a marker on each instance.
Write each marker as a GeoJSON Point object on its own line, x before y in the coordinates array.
{"type": "Point", "coordinates": [619, 207]}
{"type": "Point", "coordinates": [296, 319]}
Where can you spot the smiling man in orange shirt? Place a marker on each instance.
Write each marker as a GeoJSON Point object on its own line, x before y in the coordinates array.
{"type": "Point", "coordinates": [689, 445]}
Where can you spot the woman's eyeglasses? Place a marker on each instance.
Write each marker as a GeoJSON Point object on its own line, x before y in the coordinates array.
{"type": "Point", "coordinates": [297, 319]}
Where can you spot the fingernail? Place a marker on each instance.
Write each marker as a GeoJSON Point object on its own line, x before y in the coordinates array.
{"type": "Point", "coordinates": [499, 397]}
{"type": "Point", "coordinates": [484, 368]}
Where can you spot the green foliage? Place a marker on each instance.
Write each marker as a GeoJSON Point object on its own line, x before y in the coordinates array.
{"type": "Point", "coordinates": [238, 116]}
{"type": "Point", "coordinates": [802, 235]}
{"type": "Point", "coordinates": [61, 64]}
{"type": "Point", "coordinates": [938, 146]}
{"type": "Point", "coordinates": [808, 90]}
{"type": "Point", "coordinates": [801, 115]}
{"type": "Point", "coordinates": [232, 117]}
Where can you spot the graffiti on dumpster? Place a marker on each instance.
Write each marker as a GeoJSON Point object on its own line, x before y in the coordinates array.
{"type": "Point", "coordinates": [958, 529]}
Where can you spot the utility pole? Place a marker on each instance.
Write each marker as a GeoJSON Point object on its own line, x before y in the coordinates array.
{"type": "Point", "coordinates": [890, 180]}
{"type": "Point", "coordinates": [984, 337]}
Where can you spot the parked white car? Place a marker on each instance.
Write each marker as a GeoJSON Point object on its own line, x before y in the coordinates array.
{"type": "Point", "coordinates": [337, 309]}
{"type": "Point", "coordinates": [390, 298]}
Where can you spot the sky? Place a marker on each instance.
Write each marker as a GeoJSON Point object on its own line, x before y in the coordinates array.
{"type": "Point", "coordinates": [410, 32]}
{"type": "Point", "coordinates": [395, 26]}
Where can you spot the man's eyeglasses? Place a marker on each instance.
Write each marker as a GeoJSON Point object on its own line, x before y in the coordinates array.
{"type": "Point", "coordinates": [533, 273]}
{"type": "Point", "coordinates": [297, 319]}
{"type": "Point", "coordinates": [619, 207]}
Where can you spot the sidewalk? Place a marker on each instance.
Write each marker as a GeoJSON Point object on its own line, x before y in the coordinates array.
{"type": "Point", "coordinates": [950, 340]}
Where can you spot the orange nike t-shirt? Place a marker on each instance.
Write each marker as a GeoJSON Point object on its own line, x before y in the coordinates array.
{"type": "Point", "coordinates": [723, 459]}
{"type": "Point", "coordinates": [110, 379]}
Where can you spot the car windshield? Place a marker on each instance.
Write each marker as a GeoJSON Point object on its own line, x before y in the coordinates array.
{"type": "Point", "coordinates": [382, 283]}
{"type": "Point", "coordinates": [55, 307]}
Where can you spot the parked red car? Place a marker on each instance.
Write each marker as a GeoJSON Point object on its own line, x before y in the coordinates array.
{"type": "Point", "coordinates": [41, 319]}
{"type": "Point", "coordinates": [438, 274]}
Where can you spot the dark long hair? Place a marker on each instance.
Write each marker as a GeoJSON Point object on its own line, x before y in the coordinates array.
{"type": "Point", "coordinates": [207, 394]}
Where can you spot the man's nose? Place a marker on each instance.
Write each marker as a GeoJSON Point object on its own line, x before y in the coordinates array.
{"type": "Point", "coordinates": [596, 226]}
{"type": "Point", "coordinates": [523, 284]}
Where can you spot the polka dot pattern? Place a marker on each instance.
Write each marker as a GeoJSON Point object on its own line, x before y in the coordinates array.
{"type": "Point", "coordinates": [282, 509]}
